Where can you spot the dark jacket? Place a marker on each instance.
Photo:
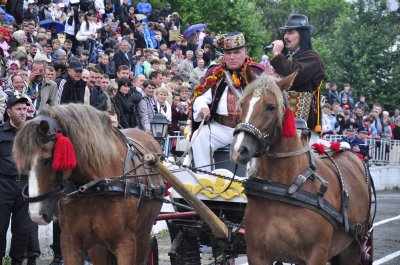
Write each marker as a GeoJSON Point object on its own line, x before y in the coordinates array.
{"type": "Point", "coordinates": [139, 40]}
{"type": "Point", "coordinates": [120, 59]}
{"type": "Point", "coordinates": [98, 98]}
{"type": "Point", "coordinates": [107, 69]}
{"type": "Point", "coordinates": [71, 91]}
{"type": "Point", "coordinates": [124, 14]}
{"type": "Point", "coordinates": [7, 162]}
{"type": "Point", "coordinates": [15, 8]}
{"type": "Point", "coordinates": [396, 133]}
{"type": "Point", "coordinates": [311, 72]}
{"type": "Point", "coordinates": [126, 105]}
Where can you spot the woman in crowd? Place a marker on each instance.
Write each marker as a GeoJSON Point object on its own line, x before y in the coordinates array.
{"type": "Point", "coordinates": [147, 105]}
{"type": "Point", "coordinates": [163, 106]}
{"type": "Point", "coordinates": [126, 103]}
{"type": "Point", "coordinates": [89, 28]}
{"type": "Point", "coordinates": [72, 26]}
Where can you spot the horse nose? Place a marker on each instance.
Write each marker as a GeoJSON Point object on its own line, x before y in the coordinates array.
{"type": "Point", "coordinates": [241, 155]}
{"type": "Point", "coordinates": [47, 218]}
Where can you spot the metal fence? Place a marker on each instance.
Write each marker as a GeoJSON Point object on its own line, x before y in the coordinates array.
{"type": "Point", "coordinates": [382, 152]}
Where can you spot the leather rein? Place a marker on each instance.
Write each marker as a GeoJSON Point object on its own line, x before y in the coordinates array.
{"type": "Point", "coordinates": [112, 185]}
{"type": "Point", "coordinates": [292, 194]}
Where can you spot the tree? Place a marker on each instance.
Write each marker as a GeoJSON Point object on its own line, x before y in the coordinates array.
{"type": "Point", "coordinates": [363, 51]}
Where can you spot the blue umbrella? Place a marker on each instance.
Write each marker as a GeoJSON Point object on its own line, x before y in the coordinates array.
{"type": "Point", "coordinates": [49, 22]}
{"type": "Point", "coordinates": [193, 28]}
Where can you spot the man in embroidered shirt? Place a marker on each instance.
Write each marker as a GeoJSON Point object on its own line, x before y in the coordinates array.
{"type": "Point", "coordinates": [215, 98]}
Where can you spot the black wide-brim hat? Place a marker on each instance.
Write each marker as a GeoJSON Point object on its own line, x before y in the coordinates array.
{"type": "Point", "coordinates": [297, 21]}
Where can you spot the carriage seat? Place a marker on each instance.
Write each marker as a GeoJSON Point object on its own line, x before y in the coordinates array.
{"type": "Point", "coordinates": [223, 155]}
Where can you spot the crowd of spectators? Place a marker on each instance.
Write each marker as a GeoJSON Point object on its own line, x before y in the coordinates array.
{"type": "Point", "coordinates": [118, 56]}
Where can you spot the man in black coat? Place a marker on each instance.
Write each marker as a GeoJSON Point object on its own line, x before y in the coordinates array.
{"type": "Point", "coordinates": [72, 88]}
{"type": "Point", "coordinates": [295, 53]}
{"type": "Point", "coordinates": [123, 56]}
{"type": "Point", "coordinates": [12, 183]}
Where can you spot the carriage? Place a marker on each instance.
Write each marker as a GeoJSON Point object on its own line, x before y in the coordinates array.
{"type": "Point", "coordinates": [290, 217]}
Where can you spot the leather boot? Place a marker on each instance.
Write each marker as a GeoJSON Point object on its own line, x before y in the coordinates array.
{"type": "Point", "coordinates": [31, 261]}
{"type": "Point", "coordinates": [57, 261]}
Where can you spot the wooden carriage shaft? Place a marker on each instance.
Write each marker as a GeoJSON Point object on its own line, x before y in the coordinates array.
{"type": "Point", "coordinates": [219, 228]}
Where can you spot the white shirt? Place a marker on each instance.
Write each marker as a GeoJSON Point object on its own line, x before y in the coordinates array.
{"type": "Point", "coordinates": [205, 99]}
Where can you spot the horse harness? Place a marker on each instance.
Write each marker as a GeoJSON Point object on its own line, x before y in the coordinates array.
{"type": "Point", "coordinates": [292, 194]}
{"type": "Point", "coordinates": [119, 185]}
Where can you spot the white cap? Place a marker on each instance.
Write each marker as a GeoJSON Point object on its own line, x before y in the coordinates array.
{"type": "Point", "coordinates": [31, 2]}
{"type": "Point", "coordinates": [39, 57]}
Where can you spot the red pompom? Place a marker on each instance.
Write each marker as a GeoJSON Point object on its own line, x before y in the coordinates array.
{"type": "Point", "coordinates": [288, 124]}
{"type": "Point", "coordinates": [64, 154]}
{"type": "Point", "coordinates": [319, 147]}
{"type": "Point", "coordinates": [335, 147]}
{"type": "Point", "coordinates": [167, 192]}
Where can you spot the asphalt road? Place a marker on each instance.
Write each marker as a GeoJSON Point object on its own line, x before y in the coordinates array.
{"type": "Point", "coordinates": [386, 234]}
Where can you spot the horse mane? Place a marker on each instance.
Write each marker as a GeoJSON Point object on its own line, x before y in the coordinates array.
{"type": "Point", "coordinates": [89, 130]}
{"type": "Point", "coordinates": [268, 85]}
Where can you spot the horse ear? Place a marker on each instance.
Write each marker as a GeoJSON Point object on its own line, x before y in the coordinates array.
{"type": "Point", "coordinates": [250, 76]}
{"type": "Point", "coordinates": [287, 82]}
{"type": "Point", "coordinates": [43, 128]}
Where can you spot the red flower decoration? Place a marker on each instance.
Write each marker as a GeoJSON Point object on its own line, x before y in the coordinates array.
{"type": "Point", "coordinates": [319, 147]}
{"type": "Point", "coordinates": [335, 147]}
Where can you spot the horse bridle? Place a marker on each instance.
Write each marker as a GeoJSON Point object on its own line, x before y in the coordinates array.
{"type": "Point", "coordinates": [59, 188]}
{"type": "Point", "coordinates": [254, 131]}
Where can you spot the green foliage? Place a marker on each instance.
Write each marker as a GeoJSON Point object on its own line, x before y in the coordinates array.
{"type": "Point", "coordinates": [362, 52]}
{"type": "Point", "coordinates": [223, 16]}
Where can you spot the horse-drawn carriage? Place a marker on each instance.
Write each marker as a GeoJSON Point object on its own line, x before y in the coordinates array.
{"type": "Point", "coordinates": [301, 206]}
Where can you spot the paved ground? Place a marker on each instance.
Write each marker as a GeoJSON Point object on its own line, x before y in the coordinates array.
{"type": "Point", "coordinates": [386, 234]}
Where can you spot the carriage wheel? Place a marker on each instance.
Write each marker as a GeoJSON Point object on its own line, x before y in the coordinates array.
{"type": "Point", "coordinates": [187, 250]}
{"type": "Point", "coordinates": [367, 250]}
{"type": "Point", "coordinates": [152, 258]}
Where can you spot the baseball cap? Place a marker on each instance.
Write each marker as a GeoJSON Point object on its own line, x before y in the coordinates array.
{"type": "Point", "coordinates": [39, 57]}
{"type": "Point", "coordinates": [75, 65]}
{"type": "Point", "coordinates": [351, 127]}
{"type": "Point", "coordinates": [14, 98]}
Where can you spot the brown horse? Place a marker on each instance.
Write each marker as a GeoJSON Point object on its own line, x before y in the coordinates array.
{"type": "Point", "coordinates": [108, 215]}
{"type": "Point", "coordinates": [303, 207]}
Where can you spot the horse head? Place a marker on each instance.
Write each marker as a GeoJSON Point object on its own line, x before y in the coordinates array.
{"type": "Point", "coordinates": [33, 149]}
{"type": "Point", "coordinates": [262, 109]}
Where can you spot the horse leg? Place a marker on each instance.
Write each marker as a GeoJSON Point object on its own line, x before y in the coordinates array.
{"type": "Point", "coordinates": [71, 252]}
{"type": "Point", "coordinates": [125, 250]}
{"type": "Point", "coordinates": [257, 257]}
{"type": "Point", "coordinates": [101, 256]}
{"type": "Point", "coordinates": [318, 257]}
{"type": "Point", "coordinates": [350, 256]}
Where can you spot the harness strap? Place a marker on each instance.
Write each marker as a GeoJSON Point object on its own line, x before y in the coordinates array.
{"type": "Point", "coordinates": [300, 181]}
{"type": "Point", "coordinates": [289, 154]}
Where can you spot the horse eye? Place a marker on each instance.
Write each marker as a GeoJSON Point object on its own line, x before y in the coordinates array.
{"type": "Point", "coordinates": [47, 161]}
{"type": "Point", "coordinates": [270, 107]}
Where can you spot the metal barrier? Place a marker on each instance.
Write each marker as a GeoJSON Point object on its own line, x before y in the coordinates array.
{"type": "Point", "coordinates": [382, 152]}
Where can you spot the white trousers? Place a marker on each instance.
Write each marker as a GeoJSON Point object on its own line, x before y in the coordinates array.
{"type": "Point", "coordinates": [220, 136]}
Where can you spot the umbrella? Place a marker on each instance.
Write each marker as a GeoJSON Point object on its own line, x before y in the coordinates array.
{"type": "Point", "coordinates": [140, 16]}
{"type": "Point", "coordinates": [193, 28]}
{"type": "Point", "coordinates": [48, 23]}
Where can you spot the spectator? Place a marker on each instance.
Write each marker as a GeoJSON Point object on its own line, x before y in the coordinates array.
{"type": "Point", "coordinates": [126, 101]}
{"type": "Point", "coordinates": [328, 121]}
{"type": "Point", "coordinates": [45, 10]}
{"type": "Point", "coordinates": [138, 81]}
{"type": "Point", "coordinates": [123, 56]}
{"type": "Point", "coordinates": [144, 7]}
{"type": "Point", "coordinates": [147, 105]}
{"type": "Point", "coordinates": [106, 66]}
{"type": "Point", "coordinates": [166, 11]}
{"type": "Point", "coordinates": [50, 73]}
{"type": "Point", "coordinates": [362, 104]}
{"type": "Point", "coordinates": [396, 130]}
{"type": "Point", "coordinates": [197, 73]}
{"type": "Point", "coordinates": [72, 26]}
{"type": "Point", "coordinates": [333, 95]}
{"type": "Point", "coordinates": [156, 77]}
{"type": "Point", "coordinates": [186, 66]}
{"type": "Point", "coordinates": [12, 182]}
{"type": "Point", "coordinates": [41, 90]}
{"type": "Point", "coordinates": [395, 116]}
{"type": "Point", "coordinates": [339, 118]}
{"type": "Point", "coordinates": [72, 89]}
{"type": "Point", "coordinates": [162, 106]}
{"type": "Point", "coordinates": [140, 41]}
{"type": "Point", "coordinates": [354, 141]}
{"type": "Point", "coordinates": [346, 93]}
{"type": "Point", "coordinates": [98, 98]}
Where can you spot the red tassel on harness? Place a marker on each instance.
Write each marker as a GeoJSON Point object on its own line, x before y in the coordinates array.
{"type": "Point", "coordinates": [335, 146]}
{"type": "Point", "coordinates": [167, 192]}
{"type": "Point", "coordinates": [288, 124]}
{"type": "Point", "coordinates": [319, 147]}
{"type": "Point", "coordinates": [64, 154]}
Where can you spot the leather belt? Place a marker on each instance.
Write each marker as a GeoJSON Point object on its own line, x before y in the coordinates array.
{"type": "Point", "coordinates": [230, 121]}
